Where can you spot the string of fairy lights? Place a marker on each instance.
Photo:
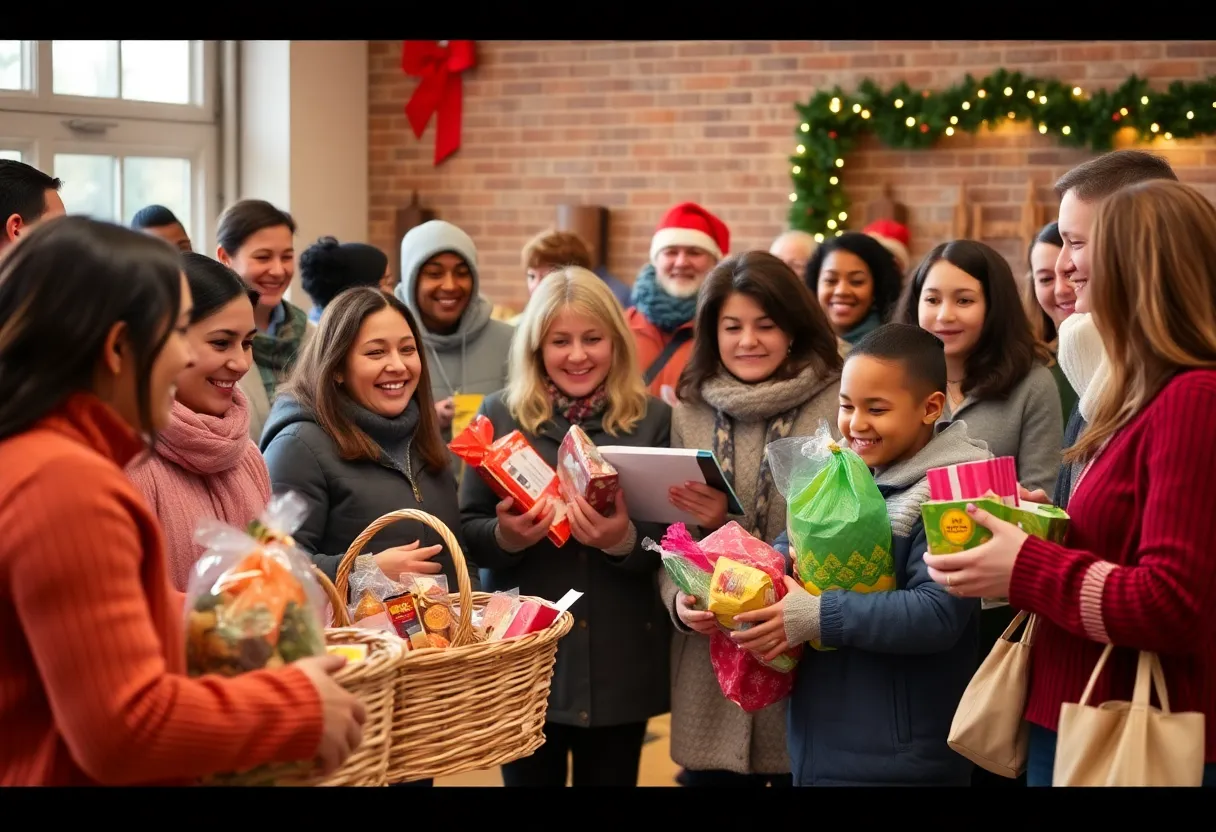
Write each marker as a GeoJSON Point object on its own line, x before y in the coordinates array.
{"type": "Point", "coordinates": [832, 123]}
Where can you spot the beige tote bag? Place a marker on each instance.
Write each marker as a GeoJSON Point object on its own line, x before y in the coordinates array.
{"type": "Point", "coordinates": [1129, 743]}
{"type": "Point", "coordinates": [988, 728]}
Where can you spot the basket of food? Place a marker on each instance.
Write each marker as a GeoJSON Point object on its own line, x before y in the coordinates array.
{"type": "Point", "coordinates": [472, 687]}
{"type": "Point", "coordinates": [254, 602]}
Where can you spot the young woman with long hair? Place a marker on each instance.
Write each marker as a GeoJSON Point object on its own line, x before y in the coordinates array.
{"type": "Point", "coordinates": [204, 463]}
{"type": "Point", "coordinates": [1136, 570]}
{"type": "Point", "coordinates": [92, 647]}
{"type": "Point", "coordinates": [765, 365]}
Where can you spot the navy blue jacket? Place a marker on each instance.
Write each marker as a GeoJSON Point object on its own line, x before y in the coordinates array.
{"type": "Point", "coordinates": [877, 710]}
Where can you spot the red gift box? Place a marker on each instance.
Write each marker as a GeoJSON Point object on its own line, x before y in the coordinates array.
{"type": "Point", "coordinates": [534, 616]}
{"type": "Point", "coordinates": [512, 468]}
{"type": "Point", "coordinates": [583, 472]}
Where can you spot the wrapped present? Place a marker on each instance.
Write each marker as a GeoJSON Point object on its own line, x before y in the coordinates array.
{"type": "Point", "coordinates": [975, 480]}
{"type": "Point", "coordinates": [512, 468]}
{"type": "Point", "coordinates": [583, 472]}
{"type": "Point", "coordinates": [839, 531]}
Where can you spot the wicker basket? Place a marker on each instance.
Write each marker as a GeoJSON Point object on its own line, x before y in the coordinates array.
{"type": "Point", "coordinates": [372, 681]}
{"type": "Point", "coordinates": [470, 706]}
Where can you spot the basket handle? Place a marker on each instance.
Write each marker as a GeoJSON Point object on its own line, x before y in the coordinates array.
{"type": "Point", "coordinates": [464, 626]}
{"type": "Point", "coordinates": [341, 614]}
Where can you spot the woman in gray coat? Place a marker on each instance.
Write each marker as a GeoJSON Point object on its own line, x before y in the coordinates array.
{"type": "Point", "coordinates": [354, 433]}
{"type": "Point", "coordinates": [764, 366]}
{"type": "Point", "coordinates": [573, 363]}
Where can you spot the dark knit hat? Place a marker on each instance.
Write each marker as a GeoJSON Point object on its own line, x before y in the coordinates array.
{"type": "Point", "coordinates": [328, 268]}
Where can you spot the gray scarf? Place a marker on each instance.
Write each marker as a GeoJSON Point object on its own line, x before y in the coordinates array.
{"type": "Point", "coordinates": [394, 436]}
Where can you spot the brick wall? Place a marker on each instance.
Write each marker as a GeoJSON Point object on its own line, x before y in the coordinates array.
{"type": "Point", "coordinates": [638, 127]}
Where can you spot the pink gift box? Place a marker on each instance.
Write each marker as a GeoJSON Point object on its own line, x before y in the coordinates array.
{"type": "Point", "coordinates": [974, 480]}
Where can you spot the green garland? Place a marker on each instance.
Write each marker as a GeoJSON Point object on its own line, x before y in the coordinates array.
{"type": "Point", "coordinates": [901, 117]}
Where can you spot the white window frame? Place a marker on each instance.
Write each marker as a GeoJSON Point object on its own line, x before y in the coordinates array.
{"type": "Point", "coordinates": [39, 137]}
{"type": "Point", "coordinates": [37, 122]}
{"type": "Point", "coordinates": [40, 98]}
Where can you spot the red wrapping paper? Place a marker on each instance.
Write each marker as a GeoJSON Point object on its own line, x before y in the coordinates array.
{"type": "Point", "coordinates": [512, 468]}
{"type": "Point", "coordinates": [581, 471]}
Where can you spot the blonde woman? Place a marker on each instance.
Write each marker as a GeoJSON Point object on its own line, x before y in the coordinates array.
{"type": "Point", "coordinates": [1138, 568]}
{"type": "Point", "coordinates": [573, 363]}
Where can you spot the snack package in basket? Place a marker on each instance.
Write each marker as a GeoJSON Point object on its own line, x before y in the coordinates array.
{"type": "Point", "coordinates": [512, 468]}
{"type": "Point", "coordinates": [728, 553]}
{"type": "Point", "coordinates": [252, 602]}
{"type": "Point", "coordinates": [840, 534]}
{"type": "Point", "coordinates": [583, 472]}
{"type": "Point", "coordinates": [438, 615]}
{"type": "Point", "coordinates": [369, 587]}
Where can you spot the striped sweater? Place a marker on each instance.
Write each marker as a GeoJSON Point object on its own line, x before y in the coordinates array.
{"type": "Point", "coordinates": [92, 652]}
{"type": "Point", "coordinates": [1139, 568]}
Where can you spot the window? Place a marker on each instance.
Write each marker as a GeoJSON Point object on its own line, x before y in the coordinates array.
{"type": "Point", "coordinates": [123, 123]}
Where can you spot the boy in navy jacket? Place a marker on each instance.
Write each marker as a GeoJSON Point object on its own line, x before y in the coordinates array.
{"type": "Point", "coordinates": [876, 710]}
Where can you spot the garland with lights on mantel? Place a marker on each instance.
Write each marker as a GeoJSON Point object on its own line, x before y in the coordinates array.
{"type": "Point", "coordinates": [833, 122]}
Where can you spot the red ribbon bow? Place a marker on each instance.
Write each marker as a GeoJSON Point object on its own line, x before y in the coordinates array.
{"type": "Point", "coordinates": [438, 64]}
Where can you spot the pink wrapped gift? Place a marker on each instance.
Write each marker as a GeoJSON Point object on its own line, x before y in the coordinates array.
{"type": "Point", "coordinates": [975, 480]}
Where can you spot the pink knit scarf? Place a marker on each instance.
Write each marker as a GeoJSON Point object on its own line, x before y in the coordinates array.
{"type": "Point", "coordinates": [203, 466]}
{"type": "Point", "coordinates": [205, 444]}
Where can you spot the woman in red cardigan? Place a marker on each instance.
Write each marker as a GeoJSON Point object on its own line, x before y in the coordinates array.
{"type": "Point", "coordinates": [1139, 567]}
{"type": "Point", "coordinates": [93, 684]}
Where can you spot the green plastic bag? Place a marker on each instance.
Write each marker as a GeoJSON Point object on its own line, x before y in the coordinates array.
{"type": "Point", "coordinates": [840, 534]}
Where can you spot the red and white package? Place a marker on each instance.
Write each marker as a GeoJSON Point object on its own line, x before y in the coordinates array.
{"type": "Point", "coordinates": [512, 468]}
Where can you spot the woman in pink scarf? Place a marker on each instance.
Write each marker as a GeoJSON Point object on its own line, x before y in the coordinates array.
{"type": "Point", "coordinates": [204, 463]}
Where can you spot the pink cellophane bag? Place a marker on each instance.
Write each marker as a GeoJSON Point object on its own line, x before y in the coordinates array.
{"type": "Point", "coordinates": [743, 677]}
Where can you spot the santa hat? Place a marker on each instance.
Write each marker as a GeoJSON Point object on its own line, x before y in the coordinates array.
{"type": "Point", "coordinates": [894, 238]}
{"type": "Point", "coordinates": [688, 224]}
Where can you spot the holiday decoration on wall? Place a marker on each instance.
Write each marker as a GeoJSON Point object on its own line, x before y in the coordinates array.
{"type": "Point", "coordinates": [832, 123]}
{"type": "Point", "coordinates": [438, 65]}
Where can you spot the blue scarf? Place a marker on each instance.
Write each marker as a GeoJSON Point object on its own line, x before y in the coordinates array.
{"type": "Point", "coordinates": [661, 309]}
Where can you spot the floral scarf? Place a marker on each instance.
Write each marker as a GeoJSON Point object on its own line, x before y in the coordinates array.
{"type": "Point", "coordinates": [577, 411]}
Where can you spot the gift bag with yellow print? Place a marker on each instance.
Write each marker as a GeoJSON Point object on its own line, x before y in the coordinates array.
{"type": "Point", "coordinates": [840, 535]}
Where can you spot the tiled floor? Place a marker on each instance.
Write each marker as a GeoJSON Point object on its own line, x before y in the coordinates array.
{"type": "Point", "coordinates": [657, 768]}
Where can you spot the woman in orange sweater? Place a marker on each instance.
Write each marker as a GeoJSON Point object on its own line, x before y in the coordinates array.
{"type": "Point", "coordinates": [93, 685]}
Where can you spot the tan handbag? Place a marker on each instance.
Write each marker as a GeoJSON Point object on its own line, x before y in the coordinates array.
{"type": "Point", "coordinates": [1129, 743]}
{"type": "Point", "coordinates": [988, 728]}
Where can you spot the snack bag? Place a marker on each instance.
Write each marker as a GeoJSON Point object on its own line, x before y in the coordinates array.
{"type": "Point", "coordinates": [684, 563]}
{"type": "Point", "coordinates": [743, 677]}
{"type": "Point", "coordinates": [369, 587]}
{"type": "Point", "coordinates": [743, 553]}
{"type": "Point", "coordinates": [512, 468]}
{"type": "Point", "coordinates": [252, 602]}
{"type": "Point", "coordinates": [840, 534]}
{"type": "Point", "coordinates": [498, 612]}
{"type": "Point", "coordinates": [583, 472]}
{"type": "Point", "coordinates": [736, 588]}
